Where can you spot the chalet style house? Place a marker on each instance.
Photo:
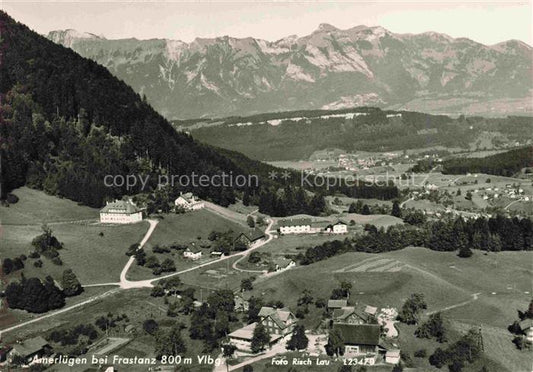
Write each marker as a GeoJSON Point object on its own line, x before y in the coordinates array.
{"type": "Point", "coordinates": [120, 211]}
{"type": "Point", "coordinates": [189, 202]}
{"type": "Point", "coordinates": [278, 323]}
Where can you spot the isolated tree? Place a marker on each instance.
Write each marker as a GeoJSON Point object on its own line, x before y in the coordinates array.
{"type": "Point", "coordinates": [250, 221]}
{"type": "Point", "coordinates": [229, 350]}
{"type": "Point", "coordinates": [396, 211]}
{"type": "Point", "coordinates": [140, 257]}
{"type": "Point", "coordinates": [152, 262]}
{"type": "Point", "coordinates": [70, 283]}
{"type": "Point", "coordinates": [465, 252]}
{"type": "Point", "coordinates": [335, 345]}
{"type": "Point", "coordinates": [168, 265]}
{"type": "Point", "coordinates": [411, 308]}
{"type": "Point", "coordinates": [299, 340]}
{"type": "Point", "coordinates": [305, 298]}
{"type": "Point", "coordinates": [246, 285]}
{"type": "Point", "coordinates": [157, 291]}
{"type": "Point", "coordinates": [366, 210]}
{"type": "Point", "coordinates": [260, 338]}
{"type": "Point", "coordinates": [150, 326]}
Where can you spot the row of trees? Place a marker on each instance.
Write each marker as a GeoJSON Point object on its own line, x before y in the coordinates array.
{"type": "Point", "coordinates": [493, 234]}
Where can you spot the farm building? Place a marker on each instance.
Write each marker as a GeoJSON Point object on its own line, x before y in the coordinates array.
{"type": "Point", "coordinates": [351, 315]}
{"type": "Point", "coordinates": [295, 226]}
{"type": "Point", "coordinates": [29, 349]}
{"type": "Point", "coordinates": [189, 202]}
{"type": "Point", "coordinates": [339, 227]}
{"type": "Point", "coordinates": [337, 304]}
{"type": "Point", "coordinates": [120, 211]}
{"type": "Point", "coordinates": [526, 326]}
{"type": "Point", "coordinates": [250, 237]}
{"type": "Point", "coordinates": [192, 253]}
{"type": "Point", "coordinates": [282, 263]}
{"type": "Point", "coordinates": [242, 337]}
{"type": "Point", "coordinates": [359, 339]}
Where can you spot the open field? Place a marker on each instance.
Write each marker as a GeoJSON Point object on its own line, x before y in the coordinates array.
{"type": "Point", "coordinates": [37, 207]}
{"type": "Point", "coordinates": [188, 227]}
{"type": "Point", "coordinates": [93, 258]}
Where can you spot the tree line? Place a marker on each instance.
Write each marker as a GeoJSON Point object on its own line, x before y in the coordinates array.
{"type": "Point", "coordinates": [497, 233]}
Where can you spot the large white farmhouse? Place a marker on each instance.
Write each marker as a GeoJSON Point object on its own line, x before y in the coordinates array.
{"type": "Point", "coordinates": [120, 211]}
{"type": "Point", "coordinates": [295, 226]}
{"type": "Point", "coordinates": [189, 202]}
{"type": "Point", "coordinates": [339, 227]}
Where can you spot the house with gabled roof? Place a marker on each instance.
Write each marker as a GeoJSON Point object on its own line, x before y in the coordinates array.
{"type": "Point", "coordinates": [295, 226]}
{"type": "Point", "coordinates": [120, 211]}
{"type": "Point", "coordinates": [282, 263]}
{"type": "Point", "coordinates": [192, 253]}
{"type": "Point", "coordinates": [359, 339]}
{"type": "Point", "coordinates": [339, 227]}
{"type": "Point", "coordinates": [189, 202]}
{"type": "Point", "coordinates": [249, 237]}
{"type": "Point", "coordinates": [28, 349]}
{"type": "Point", "coordinates": [337, 304]}
{"type": "Point", "coordinates": [242, 337]}
{"type": "Point", "coordinates": [277, 321]}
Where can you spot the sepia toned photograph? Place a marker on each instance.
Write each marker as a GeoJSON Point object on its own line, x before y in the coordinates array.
{"type": "Point", "coordinates": [264, 186]}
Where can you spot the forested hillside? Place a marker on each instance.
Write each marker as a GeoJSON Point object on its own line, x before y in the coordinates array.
{"type": "Point", "coordinates": [296, 135]}
{"type": "Point", "coordinates": [504, 164]}
{"type": "Point", "coordinates": [67, 122]}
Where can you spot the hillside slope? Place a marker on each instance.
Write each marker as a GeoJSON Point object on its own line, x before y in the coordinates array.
{"type": "Point", "coordinates": [329, 68]}
{"type": "Point", "coordinates": [67, 122]}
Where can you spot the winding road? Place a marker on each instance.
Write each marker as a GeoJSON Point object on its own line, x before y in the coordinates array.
{"type": "Point", "coordinates": [125, 284]}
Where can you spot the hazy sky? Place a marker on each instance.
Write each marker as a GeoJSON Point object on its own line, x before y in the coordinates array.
{"type": "Point", "coordinates": [485, 22]}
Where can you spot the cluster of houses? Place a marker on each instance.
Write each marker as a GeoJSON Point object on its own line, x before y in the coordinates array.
{"type": "Point", "coordinates": [307, 226]}
{"type": "Point", "coordinates": [125, 211]}
{"type": "Point", "coordinates": [362, 334]}
{"type": "Point", "coordinates": [248, 238]}
{"type": "Point", "coordinates": [277, 322]}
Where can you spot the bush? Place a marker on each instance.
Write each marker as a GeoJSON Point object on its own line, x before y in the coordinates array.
{"type": "Point", "coordinates": [422, 353]}
{"type": "Point", "coordinates": [150, 326]}
{"type": "Point", "coordinates": [34, 254]}
{"type": "Point", "coordinates": [12, 198]}
{"type": "Point", "coordinates": [157, 291]}
{"type": "Point", "coordinates": [38, 263]}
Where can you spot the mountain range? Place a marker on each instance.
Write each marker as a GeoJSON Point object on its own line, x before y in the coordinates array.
{"type": "Point", "coordinates": [330, 69]}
